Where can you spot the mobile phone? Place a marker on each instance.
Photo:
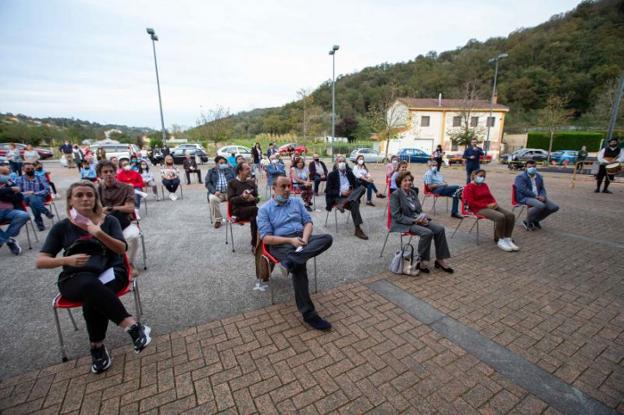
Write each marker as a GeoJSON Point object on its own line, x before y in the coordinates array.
{"type": "Point", "coordinates": [78, 218]}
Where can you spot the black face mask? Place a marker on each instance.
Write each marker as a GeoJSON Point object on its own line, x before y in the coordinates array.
{"type": "Point", "coordinates": [30, 173]}
{"type": "Point", "coordinates": [39, 169]}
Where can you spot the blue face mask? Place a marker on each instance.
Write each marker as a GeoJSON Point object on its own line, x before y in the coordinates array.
{"type": "Point", "coordinates": [531, 170]}
{"type": "Point", "coordinates": [281, 199]}
{"type": "Point", "coordinates": [479, 179]}
{"type": "Point", "coordinates": [4, 179]}
{"type": "Point", "coordinates": [434, 169]}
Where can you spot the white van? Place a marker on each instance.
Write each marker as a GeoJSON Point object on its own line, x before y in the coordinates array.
{"type": "Point", "coordinates": [121, 151]}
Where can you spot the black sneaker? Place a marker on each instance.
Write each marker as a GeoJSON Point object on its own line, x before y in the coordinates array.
{"type": "Point", "coordinates": [527, 226]}
{"type": "Point", "coordinates": [318, 323]}
{"type": "Point", "coordinates": [607, 191]}
{"type": "Point", "coordinates": [15, 248]}
{"type": "Point", "coordinates": [101, 359]}
{"type": "Point", "coordinates": [140, 336]}
{"type": "Point", "coordinates": [40, 227]}
{"type": "Point", "coordinates": [537, 225]}
{"type": "Point", "coordinates": [49, 215]}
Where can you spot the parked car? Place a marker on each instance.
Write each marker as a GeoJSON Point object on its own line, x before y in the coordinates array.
{"type": "Point", "coordinates": [190, 146]}
{"type": "Point", "coordinates": [414, 155]}
{"type": "Point", "coordinates": [286, 149]}
{"type": "Point", "coordinates": [121, 151]}
{"type": "Point", "coordinates": [237, 150]}
{"type": "Point", "coordinates": [525, 154]}
{"type": "Point", "coordinates": [562, 155]}
{"type": "Point", "coordinates": [179, 154]}
{"type": "Point", "coordinates": [370, 155]}
{"type": "Point", "coordinates": [455, 158]}
{"type": "Point", "coordinates": [43, 153]}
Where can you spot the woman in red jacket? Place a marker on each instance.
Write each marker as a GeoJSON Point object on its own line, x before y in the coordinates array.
{"type": "Point", "coordinates": [480, 201]}
{"type": "Point", "coordinates": [134, 179]}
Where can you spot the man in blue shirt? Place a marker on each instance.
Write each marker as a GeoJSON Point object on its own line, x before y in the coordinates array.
{"type": "Point", "coordinates": [35, 191]}
{"type": "Point", "coordinates": [286, 229]}
{"type": "Point", "coordinates": [530, 191]}
{"type": "Point", "coordinates": [436, 184]}
{"type": "Point", "coordinates": [472, 155]}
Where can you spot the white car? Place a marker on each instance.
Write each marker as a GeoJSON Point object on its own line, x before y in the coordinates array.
{"type": "Point", "coordinates": [190, 146]}
{"type": "Point", "coordinates": [370, 155]}
{"type": "Point", "coordinates": [121, 151]}
{"type": "Point", "coordinates": [237, 150]}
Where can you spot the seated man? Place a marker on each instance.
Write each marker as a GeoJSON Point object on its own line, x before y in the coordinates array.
{"type": "Point", "coordinates": [530, 191]}
{"type": "Point", "coordinates": [217, 181]}
{"type": "Point", "coordinates": [343, 193]}
{"type": "Point", "coordinates": [318, 172]}
{"type": "Point", "coordinates": [243, 195]}
{"type": "Point", "coordinates": [275, 168]}
{"type": "Point", "coordinates": [435, 182]}
{"type": "Point", "coordinates": [118, 200]}
{"type": "Point", "coordinates": [35, 191]}
{"type": "Point", "coordinates": [10, 211]}
{"type": "Point", "coordinates": [190, 167]}
{"type": "Point", "coordinates": [285, 227]}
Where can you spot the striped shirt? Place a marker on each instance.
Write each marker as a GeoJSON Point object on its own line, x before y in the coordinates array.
{"type": "Point", "coordinates": [38, 186]}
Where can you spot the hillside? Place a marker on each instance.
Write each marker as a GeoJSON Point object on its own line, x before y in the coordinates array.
{"type": "Point", "coordinates": [577, 55]}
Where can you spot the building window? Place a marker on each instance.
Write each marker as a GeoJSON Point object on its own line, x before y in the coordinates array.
{"type": "Point", "coordinates": [457, 121]}
{"type": "Point", "coordinates": [490, 121]}
{"type": "Point", "coordinates": [474, 121]}
{"type": "Point", "coordinates": [424, 121]}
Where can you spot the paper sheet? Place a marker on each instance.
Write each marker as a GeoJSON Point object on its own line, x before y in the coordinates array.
{"type": "Point", "coordinates": [107, 276]}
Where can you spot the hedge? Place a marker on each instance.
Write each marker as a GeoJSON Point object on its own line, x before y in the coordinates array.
{"type": "Point", "coordinates": [569, 140]}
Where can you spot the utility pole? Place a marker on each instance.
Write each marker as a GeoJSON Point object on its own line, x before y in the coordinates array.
{"type": "Point", "coordinates": [490, 120]}
{"type": "Point", "coordinates": [615, 109]}
{"type": "Point", "coordinates": [154, 38]}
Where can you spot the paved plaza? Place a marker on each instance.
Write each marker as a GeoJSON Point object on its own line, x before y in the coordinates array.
{"type": "Point", "coordinates": [532, 332]}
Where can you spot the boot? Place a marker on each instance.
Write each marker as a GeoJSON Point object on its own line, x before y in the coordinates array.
{"type": "Point", "coordinates": [359, 233]}
{"type": "Point", "coordinates": [606, 185]}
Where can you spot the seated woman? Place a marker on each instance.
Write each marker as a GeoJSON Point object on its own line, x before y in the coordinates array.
{"type": "Point", "coordinates": [170, 177]}
{"type": "Point", "coordinates": [134, 179]}
{"type": "Point", "coordinates": [364, 178]}
{"type": "Point", "coordinates": [400, 168]}
{"type": "Point", "coordinates": [391, 167]}
{"type": "Point", "coordinates": [80, 281]}
{"type": "Point", "coordinates": [407, 216]}
{"type": "Point", "coordinates": [300, 179]}
{"type": "Point", "coordinates": [148, 178]}
{"type": "Point", "coordinates": [480, 201]}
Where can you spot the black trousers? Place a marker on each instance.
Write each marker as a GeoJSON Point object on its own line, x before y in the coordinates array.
{"type": "Point", "coordinates": [248, 213]}
{"type": "Point", "coordinates": [352, 203]}
{"type": "Point", "coordinates": [99, 301]}
{"type": "Point", "coordinates": [188, 176]}
{"type": "Point", "coordinates": [317, 181]}
{"type": "Point", "coordinates": [602, 175]}
{"type": "Point", "coordinates": [316, 246]}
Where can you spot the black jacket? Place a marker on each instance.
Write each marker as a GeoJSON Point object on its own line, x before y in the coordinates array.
{"type": "Point", "coordinates": [8, 195]}
{"type": "Point", "coordinates": [188, 163]}
{"type": "Point", "coordinates": [312, 169]}
{"type": "Point", "coordinates": [332, 190]}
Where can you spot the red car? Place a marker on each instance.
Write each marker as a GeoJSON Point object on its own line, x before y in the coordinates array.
{"type": "Point", "coordinates": [43, 153]}
{"type": "Point", "coordinates": [287, 149]}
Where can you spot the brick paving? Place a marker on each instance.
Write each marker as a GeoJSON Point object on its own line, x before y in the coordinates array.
{"type": "Point", "coordinates": [558, 303]}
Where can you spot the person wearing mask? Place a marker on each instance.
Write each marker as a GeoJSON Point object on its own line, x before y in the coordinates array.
{"type": "Point", "coordinates": [342, 193]}
{"type": "Point", "coordinates": [610, 154]}
{"type": "Point", "coordinates": [68, 151]}
{"type": "Point", "coordinates": [436, 184]}
{"type": "Point", "coordinates": [275, 168]}
{"type": "Point", "coordinates": [530, 191]}
{"type": "Point", "coordinates": [318, 172]}
{"type": "Point", "coordinates": [400, 167]}
{"type": "Point", "coordinates": [438, 156]}
{"type": "Point", "coordinates": [87, 224]}
{"type": "Point", "coordinates": [87, 171]}
{"type": "Point", "coordinates": [134, 164]}
{"type": "Point", "coordinates": [271, 150]}
{"type": "Point", "coordinates": [11, 211]}
{"type": "Point", "coordinates": [100, 154]}
{"type": "Point", "coordinates": [300, 178]}
{"type": "Point", "coordinates": [232, 160]}
{"type": "Point", "coordinates": [115, 162]}
{"type": "Point", "coordinates": [391, 167]}
{"type": "Point", "coordinates": [243, 195]}
{"type": "Point", "coordinates": [480, 201]}
{"type": "Point", "coordinates": [118, 201]}
{"type": "Point", "coordinates": [170, 177]}
{"type": "Point", "coordinates": [286, 230]}
{"type": "Point", "coordinates": [45, 175]}
{"type": "Point", "coordinates": [217, 180]}
{"type": "Point", "coordinates": [472, 155]}
{"type": "Point", "coordinates": [190, 167]}
{"type": "Point", "coordinates": [134, 179]}
{"type": "Point", "coordinates": [256, 154]}
{"type": "Point", "coordinates": [364, 178]}
{"type": "Point", "coordinates": [148, 178]}
{"type": "Point", "coordinates": [15, 159]}
{"type": "Point", "coordinates": [407, 216]}
{"type": "Point", "coordinates": [35, 191]}
{"type": "Point", "coordinates": [31, 155]}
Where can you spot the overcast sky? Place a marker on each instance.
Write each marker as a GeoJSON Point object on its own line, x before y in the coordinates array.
{"type": "Point", "coordinates": [91, 59]}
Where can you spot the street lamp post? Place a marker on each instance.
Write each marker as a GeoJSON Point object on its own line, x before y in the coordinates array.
{"type": "Point", "coordinates": [154, 38]}
{"type": "Point", "coordinates": [490, 119]}
{"type": "Point", "coordinates": [332, 52]}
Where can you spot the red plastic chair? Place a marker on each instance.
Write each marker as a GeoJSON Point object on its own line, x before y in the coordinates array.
{"type": "Point", "coordinates": [427, 193]}
{"type": "Point", "coordinates": [388, 226]}
{"type": "Point", "coordinates": [62, 303]}
{"type": "Point", "coordinates": [467, 213]}
{"type": "Point", "coordinates": [137, 222]}
{"type": "Point", "coordinates": [229, 221]}
{"type": "Point", "coordinates": [49, 203]}
{"type": "Point", "coordinates": [270, 259]}
{"type": "Point", "coordinates": [515, 204]}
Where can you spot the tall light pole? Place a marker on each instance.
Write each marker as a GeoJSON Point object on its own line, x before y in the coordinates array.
{"type": "Point", "coordinates": [154, 38]}
{"type": "Point", "coordinates": [332, 52]}
{"type": "Point", "coordinates": [490, 120]}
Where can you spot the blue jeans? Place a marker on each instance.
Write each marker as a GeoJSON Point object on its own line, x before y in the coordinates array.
{"type": "Point", "coordinates": [539, 210]}
{"type": "Point", "coordinates": [37, 207]}
{"type": "Point", "coordinates": [370, 188]}
{"type": "Point", "coordinates": [18, 218]}
{"type": "Point", "coordinates": [16, 167]}
{"type": "Point", "coordinates": [448, 191]}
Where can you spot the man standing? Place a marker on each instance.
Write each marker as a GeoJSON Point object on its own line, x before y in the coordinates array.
{"type": "Point", "coordinates": [10, 212]}
{"type": "Point", "coordinates": [343, 193]}
{"type": "Point", "coordinates": [243, 195]}
{"type": "Point", "coordinates": [472, 155]}
{"type": "Point", "coordinates": [530, 191]}
{"type": "Point", "coordinates": [190, 167]}
{"type": "Point", "coordinates": [286, 229]}
{"type": "Point", "coordinates": [610, 154]}
{"type": "Point", "coordinates": [435, 182]}
{"type": "Point", "coordinates": [68, 151]}
{"type": "Point", "coordinates": [318, 172]}
{"type": "Point", "coordinates": [217, 181]}
{"type": "Point", "coordinates": [256, 154]}
{"type": "Point", "coordinates": [35, 191]}
{"type": "Point", "coordinates": [118, 200]}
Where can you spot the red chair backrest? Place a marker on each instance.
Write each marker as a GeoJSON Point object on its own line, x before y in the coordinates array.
{"type": "Point", "coordinates": [514, 201]}
{"type": "Point", "coordinates": [389, 221]}
{"type": "Point", "coordinates": [427, 190]}
{"type": "Point", "coordinates": [229, 209]}
{"type": "Point", "coordinates": [267, 254]}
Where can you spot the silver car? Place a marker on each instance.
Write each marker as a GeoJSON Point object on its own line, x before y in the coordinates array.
{"type": "Point", "coordinates": [370, 155]}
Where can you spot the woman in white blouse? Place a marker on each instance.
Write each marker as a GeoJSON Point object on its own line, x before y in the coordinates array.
{"type": "Point", "coordinates": [170, 177]}
{"type": "Point", "coordinates": [361, 173]}
{"type": "Point", "coordinates": [300, 179]}
{"type": "Point", "coordinates": [30, 155]}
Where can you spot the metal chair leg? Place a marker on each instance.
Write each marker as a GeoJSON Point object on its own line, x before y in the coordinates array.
{"type": "Point", "coordinates": [384, 244]}
{"type": "Point", "coordinates": [71, 317]}
{"type": "Point", "coordinates": [336, 219]}
{"type": "Point", "coordinates": [227, 223]}
{"type": "Point", "coordinates": [135, 294]}
{"type": "Point", "coordinates": [138, 295]}
{"type": "Point", "coordinates": [28, 236]}
{"type": "Point", "coordinates": [181, 192]}
{"type": "Point", "coordinates": [473, 225]}
{"type": "Point", "coordinates": [477, 231]}
{"type": "Point", "coordinates": [60, 335]}
{"type": "Point", "coordinates": [32, 225]}
{"type": "Point", "coordinates": [143, 250]}
{"type": "Point", "coordinates": [232, 235]}
{"type": "Point", "coordinates": [315, 282]}
{"type": "Point", "coordinates": [457, 227]}
{"type": "Point", "coordinates": [435, 201]}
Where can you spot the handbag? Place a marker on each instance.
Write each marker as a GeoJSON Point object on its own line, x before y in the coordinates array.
{"type": "Point", "coordinates": [404, 262]}
{"type": "Point", "coordinates": [98, 257]}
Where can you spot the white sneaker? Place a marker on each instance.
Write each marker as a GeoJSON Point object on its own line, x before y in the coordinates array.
{"type": "Point", "coordinates": [172, 196]}
{"type": "Point", "coordinates": [512, 245]}
{"type": "Point", "coordinates": [142, 194]}
{"type": "Point", "coordinates": [136, 213]}
{"type": "Point", "coordinates": [502, 244]}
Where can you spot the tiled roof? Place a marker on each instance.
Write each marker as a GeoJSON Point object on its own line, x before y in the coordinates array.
{"type": "Point", "coordinates": [449, 103]}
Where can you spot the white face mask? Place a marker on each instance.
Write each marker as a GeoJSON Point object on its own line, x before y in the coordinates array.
{"type": "Point", "coordinates": [342, 165]}
{"type": "Point", "coordinates": [479, 179]}
{"type": "Point", "coordinates": [360, 162]}
{"type": "Point", "coordinates": [126, 167]}
{"type": "Point", "coordinates": [274, 161]}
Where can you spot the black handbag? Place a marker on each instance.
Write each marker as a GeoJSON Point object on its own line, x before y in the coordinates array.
{"type": "Point", "coordinates": [98, 257]}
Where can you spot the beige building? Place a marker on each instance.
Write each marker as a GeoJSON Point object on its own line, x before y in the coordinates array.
{"type": "Point", "coordinates": [424, 123]}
